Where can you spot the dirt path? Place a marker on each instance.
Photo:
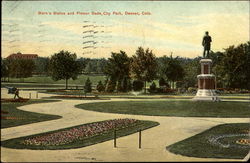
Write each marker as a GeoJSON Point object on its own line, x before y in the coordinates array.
{"type": "Point", "coordinates": [154, 140]}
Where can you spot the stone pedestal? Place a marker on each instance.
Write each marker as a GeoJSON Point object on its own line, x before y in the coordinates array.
{"type": "Point", "coordinates": [206, 83]}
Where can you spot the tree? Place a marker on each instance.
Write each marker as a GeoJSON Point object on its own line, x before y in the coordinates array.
{"type": "Point", "coordinates": [144, 66]}
{"type": "Point", "coordinates": [110, 86]}
{"type": "Point", "coordinates": [63, 65]}
{"type": "Point", "coordinates": [4, 69]}
{"type": "Point", "coordinates": [89, 67]}
{"type": "Point", "coordinates": [87, 87]}
{"type": "Point", "coordinates": [20, 68]}
{"type": "Point", "coordinates": [101, 64]}
{"type": "Point", "coordinates": [191, 68]}
{"type": "Point", "coordinates": [117, 69]}
{"type": "Point", "coordinates": [232, 68]}
{"type": "Point", "coordinates": [173, 70]}
{"type": "Point", "coordinates": [100, 87]}
{"type": "Point", "coordinates": [42, 65]}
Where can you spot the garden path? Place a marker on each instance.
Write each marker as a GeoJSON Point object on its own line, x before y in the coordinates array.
{"type": "Point", "coordinates": [154, 140]}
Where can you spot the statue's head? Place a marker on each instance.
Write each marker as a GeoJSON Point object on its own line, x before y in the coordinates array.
{"type": "Point", "coordinates": [206, 32]}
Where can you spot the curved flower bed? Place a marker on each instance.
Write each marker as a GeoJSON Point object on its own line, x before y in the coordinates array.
{"type": "Point", "coordinates": [11, 118]}
{"type": "Point", "coordinates": [79, 133]}
{"type": "Point", "coordinates": [14, 100]}
{"type": "Point", "coordinates": [218, 140]}
{"type": "Point", "coordinates": [244, 142]}
{"type": "Point", "coordinates": [77, 97]}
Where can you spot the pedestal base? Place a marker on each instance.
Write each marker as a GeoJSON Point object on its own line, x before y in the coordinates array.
{"type": "Point", "coordinates": [206, 95]}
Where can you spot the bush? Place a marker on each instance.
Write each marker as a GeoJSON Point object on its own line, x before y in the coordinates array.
{"type": "Point", "coordinates": [100, 87]}
{"type": "Point", "coordinates": [162, 82]}
{"type": "Point", "coordinates": [137, 85]}
{"type": "Point", "coordinates": [152, 88]}
{"type": "Point", "coordinates": [87, 86]}
{"type": "Point", "coordinates": [111, 86]}
{"type": "Point", "coordinates": [129, 88]}
{"type": "Point", "coordinates": [180, 84]}
{"type": "Point", "coordinates": [126, 85]}
{"type": "Point", "coordinates": [192, 90]}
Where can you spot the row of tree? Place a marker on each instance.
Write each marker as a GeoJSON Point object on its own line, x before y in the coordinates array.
{"type": "Point", "coordinates": [231, 68]}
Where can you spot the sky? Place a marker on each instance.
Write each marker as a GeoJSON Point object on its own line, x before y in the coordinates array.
{"type": "Point", "coordinates": [169, 27]}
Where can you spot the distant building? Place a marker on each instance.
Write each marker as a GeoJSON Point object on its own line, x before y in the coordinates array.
{"type": "Point", "coordinates": [22, 56]}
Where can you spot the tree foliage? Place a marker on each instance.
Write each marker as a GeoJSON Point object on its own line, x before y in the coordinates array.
{"type": "Point", "coordinates": [144, 66]}
{"type": "Point", "coordinates": [172, 68]}
{"type": "Point", "coordinates": [63, 65]}
{"type": "Point", "coordinates": [4, 69]}
{"type": "Point", "coordinates": [100, 87]}
{"type": "Point", "coordinates": [20, 68]}
{"type": "Point", "coordinates": [96, 65]}
{"type": "Point", "coordinates": [232, 67]}
{"type": "Point", "coordinates": [42, 65]}
{"type": "Point", "coordinates": [192, 68]}
{"type": "Point", "coordinates": [88, 86]}
{"type": "Point", "coordinates": [118, 70]}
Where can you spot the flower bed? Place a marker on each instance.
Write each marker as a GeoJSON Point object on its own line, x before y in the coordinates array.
{"type": "Point", "coordinates": [244, 142]}
{"type": "Point", "coordinates": [14, 100]}
{"type": "Point", "coordinates": [79, 133]}
{"type": "Point", "coordinates": [4, 112]}
{"type": "Point", "coordinates": [11, 118]}
{"type": "Point", "coordinates": [56, 90]}
{"type": "Point", "coordinates": [79, 97]}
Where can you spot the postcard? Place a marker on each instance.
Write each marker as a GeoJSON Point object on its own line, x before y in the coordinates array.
{"type": "Point", "coordinates": [125, 81]}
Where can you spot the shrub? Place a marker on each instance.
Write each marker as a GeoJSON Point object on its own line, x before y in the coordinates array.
{"type": "Point", "coordinates": [100, 87]}
{"type": "Point", "coordinates": [192, 90]}
{"type": "Point", "coordinates": [162, 82]}
{"type": "Point", "coordinates": [129, 87]}
{"type": "Point", "coordinates": [111, 86]}
{"type": "Point", "coordinates": [87, 86]}
{"type": "Point", "coordinates": [152, 88]}
{"type": "Point", "coordinates": [137, 85]}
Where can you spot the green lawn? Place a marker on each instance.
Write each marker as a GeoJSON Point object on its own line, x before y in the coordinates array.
{"type": "Point", "coordinates": [23, 117]}
{"type": "Point", "coordinates": [176, 108]}
{"type": "Point", "coordinates": [48, 80]}
{"type": "Point", "coordinates": [140, 125]}
{"type": "Point", "coordinates": [217, 142]}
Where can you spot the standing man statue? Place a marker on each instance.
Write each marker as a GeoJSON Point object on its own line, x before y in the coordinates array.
{"type": "Point", "coordinates": [206, 43]}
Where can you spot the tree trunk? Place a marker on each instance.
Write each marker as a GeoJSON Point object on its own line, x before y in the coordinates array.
{"type": "Point", "coordinates": [106, 86]}
{"type": "Point", "coordinates": [145, 89]}
{"type": "Point", "coordinates": [66, 83]}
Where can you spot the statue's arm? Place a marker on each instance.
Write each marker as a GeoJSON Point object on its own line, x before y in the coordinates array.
{"type": "Point", "coordinates": [203, 41]}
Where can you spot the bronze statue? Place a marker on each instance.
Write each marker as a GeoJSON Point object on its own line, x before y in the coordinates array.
{"type": "Point", "coordinates": [206, 43]}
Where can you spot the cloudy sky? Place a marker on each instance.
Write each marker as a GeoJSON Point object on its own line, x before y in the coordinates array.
{"type": "Point", "coordinates": [176, 27]}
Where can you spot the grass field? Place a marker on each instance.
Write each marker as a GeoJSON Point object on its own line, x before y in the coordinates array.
{"type": "Point", "coordinates": [172, 108]}
{"type": "Point", "coordinates": [19, 117]}
{"type": "Point", "coordinates": [48, 80]}
{"type": "Point", "coordinates": [217, 142]}
{"type": "Point", "coordinates": [141, 125]}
